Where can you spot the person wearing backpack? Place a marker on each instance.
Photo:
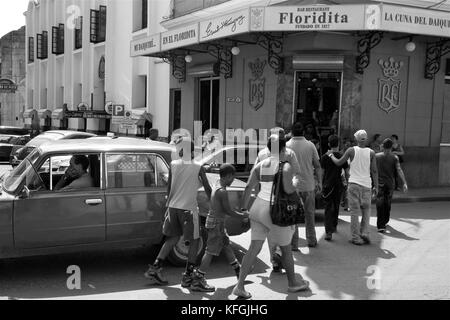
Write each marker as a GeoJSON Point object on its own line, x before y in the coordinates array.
{"type": "Point", "coordinates": [262, 227]}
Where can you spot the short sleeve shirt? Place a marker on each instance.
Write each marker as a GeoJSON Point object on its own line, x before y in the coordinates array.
{"type": "Point", "coordinates": [306, 154]}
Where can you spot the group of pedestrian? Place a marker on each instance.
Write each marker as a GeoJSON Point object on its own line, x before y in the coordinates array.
{"type": "Point", "coordinates": [368, 174]}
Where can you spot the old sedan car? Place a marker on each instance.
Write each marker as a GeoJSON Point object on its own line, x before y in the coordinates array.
{"type": "Point", "coordinates": [18, 153]}
{"type": "Point", "coordinates": [242, 156]}
{"type": "Point", "coordinates": [123, 207]}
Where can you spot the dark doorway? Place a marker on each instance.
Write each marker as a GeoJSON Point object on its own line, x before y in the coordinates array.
{"type": "Point", "coordinates": [317, 103]}
{"type": "Point", "coordinates": [175, 110]}
{"type": "Point", "coordinates": [209, 103]}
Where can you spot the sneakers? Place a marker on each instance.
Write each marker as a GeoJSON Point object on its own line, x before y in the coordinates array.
{"type": "Point", "coordinates": [382, 230]}
{"type": "Point", "coordinates": [276, 263]}
{"type": "Point", "coordinates": [366, 239]}
{"type": "Point", "coordinates": [186, 281]}
{"type": "Point", "coordinates": [329, 237]}
{"type": "Point", "coordinates": [199, 284]}
{"type": "Point", "coordinates": [357, 242]}
{"type": "Point", "coordinates": [312, 245]}
{"type": "Point", "coordinates": [155, 276]}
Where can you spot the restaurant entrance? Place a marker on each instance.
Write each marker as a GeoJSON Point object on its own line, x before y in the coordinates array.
{"type": "Point", "coordinates": [317, 105]}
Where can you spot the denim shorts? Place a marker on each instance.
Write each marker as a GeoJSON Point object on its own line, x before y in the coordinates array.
{"type": "Point", "coordinates": [217, 239]}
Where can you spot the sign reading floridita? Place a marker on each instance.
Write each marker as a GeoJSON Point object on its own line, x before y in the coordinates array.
{"type": "Point", "coordinates": [225, 26]}
{"type": "Point", "coordinates": [415, 21]}
{"type": "Point", "coordinates": [284, 18]}
{"type": "Point", "coordinates": [180, 37]}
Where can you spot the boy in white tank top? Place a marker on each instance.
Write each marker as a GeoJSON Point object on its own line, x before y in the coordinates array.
{"type": "Point", "coordinates": [363, 185]}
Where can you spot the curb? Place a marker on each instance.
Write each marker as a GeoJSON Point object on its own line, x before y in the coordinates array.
{"type": "Point", "coordinates": [422, 199]}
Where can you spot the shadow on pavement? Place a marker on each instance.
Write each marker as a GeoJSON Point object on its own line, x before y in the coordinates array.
{"type": "Point", "coordinates": [46, 277]}
{"type": "Point", "coordinates": [340, 267]}
{"type": "Point", "coordinates": [391, 232]}
{"type": "Point", "coordinates": [277, 282]}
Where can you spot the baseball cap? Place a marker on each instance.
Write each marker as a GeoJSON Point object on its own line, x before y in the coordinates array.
{"type": "Point", "coordinates": [361, 135]}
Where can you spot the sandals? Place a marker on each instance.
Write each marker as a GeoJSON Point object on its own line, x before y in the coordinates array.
{"type": "Point", "coordinates": [241, 293]}
{"type": "Point", "coordinates": [304, 286]}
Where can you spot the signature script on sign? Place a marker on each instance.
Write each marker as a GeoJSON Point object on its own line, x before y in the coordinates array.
{"type": "Point", "coordinates": [210, 30]}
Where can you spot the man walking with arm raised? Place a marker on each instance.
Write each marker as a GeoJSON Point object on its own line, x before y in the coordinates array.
{"type": "Point", "coordinates": [363, 171]}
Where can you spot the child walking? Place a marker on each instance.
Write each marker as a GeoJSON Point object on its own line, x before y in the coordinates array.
{"type": "Point", "coordinates": [218, 240]}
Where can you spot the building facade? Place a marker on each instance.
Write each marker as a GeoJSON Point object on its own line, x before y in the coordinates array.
{"type": "Point", "coordinates": [12, 78]}
{"type": "Point", "coordinates": [79, 66]}
{"type": "Point", "coordinates": [339, 67]}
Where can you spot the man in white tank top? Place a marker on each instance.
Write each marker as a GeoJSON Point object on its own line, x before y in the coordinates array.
{"type": "Point", "coordinates": [363, 175]}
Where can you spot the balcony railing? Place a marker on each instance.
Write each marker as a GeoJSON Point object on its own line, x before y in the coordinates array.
{"type": "Point", "coordinates": [183, 7]}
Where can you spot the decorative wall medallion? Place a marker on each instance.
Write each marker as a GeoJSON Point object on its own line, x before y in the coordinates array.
{"type": "Point", "coordinates": [389, 88]}
{"type": "Point", "coordinates": [257, 84]}
{"type": "Point", "coordinates": [257, 18]}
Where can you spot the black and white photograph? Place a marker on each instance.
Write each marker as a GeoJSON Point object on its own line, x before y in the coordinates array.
{"type": "Point", "coordinates": [225, 155]}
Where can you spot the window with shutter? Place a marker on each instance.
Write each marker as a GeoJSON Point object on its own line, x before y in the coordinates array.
{"type": "Point", "coordinates": [44, 44]}
{"type": "Point", "coordinates": [144, 14]}
{"type": "Point", "coordinates": [79, 33]}
{"type": "Point", "coordinates": [61, 38]}
{"type": "Point", "coordinates": [102, 24]}
{"type": "Point", "coordinates": [30, 49]}
{"type": "Point", "coordinates": [55, 31]}
{"type": "Point", "coordinates": [94, 26]}
{"type": "Point", "coordinates": [98, 25]}
{"type": "Point", "coordinates": [39, 45]}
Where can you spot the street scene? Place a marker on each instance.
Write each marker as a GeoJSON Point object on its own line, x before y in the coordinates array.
{"type": "Point", "coordinates": [226, 150]}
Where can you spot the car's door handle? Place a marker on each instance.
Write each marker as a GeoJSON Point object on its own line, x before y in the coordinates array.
{"type": "Point", "coordinates": [94, 202]}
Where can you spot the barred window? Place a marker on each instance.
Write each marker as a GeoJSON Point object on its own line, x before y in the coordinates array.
{"type": "Point", "coordinates": [30, 49]}
{"type": "Point", "coordinates": [98, 25]}
{"type": "Point", "coordinates": [42, 45]}
{"type": "Point", "coordinates": [58, 39]}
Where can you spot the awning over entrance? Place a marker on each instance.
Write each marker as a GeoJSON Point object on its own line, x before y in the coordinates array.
{"type": "Point", "coordinates": [141, 116]}
{"type": "Point", "coordinates": [58, 114]}
{"type": "Point", "coordinates": [267, 26]}
{"type": "Point", "coordinates": [30, 114]}
{"type": "Point", "coordinates": [44, 113]}
{"type": "Point", "coordinates": [359, 17]}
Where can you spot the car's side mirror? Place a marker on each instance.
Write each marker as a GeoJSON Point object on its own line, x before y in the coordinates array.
{"type": "Point", "coordinates": [25, 193]}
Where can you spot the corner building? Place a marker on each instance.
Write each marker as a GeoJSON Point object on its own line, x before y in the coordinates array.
{"type": "Point", "coordinates": [379, 66]}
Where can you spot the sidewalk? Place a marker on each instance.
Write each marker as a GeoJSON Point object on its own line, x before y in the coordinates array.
{"type": "Point", "coordinates": [422, 195]}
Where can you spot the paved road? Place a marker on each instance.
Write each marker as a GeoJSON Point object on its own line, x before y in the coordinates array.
{"type": "Point", "coordinates": [410, 262]}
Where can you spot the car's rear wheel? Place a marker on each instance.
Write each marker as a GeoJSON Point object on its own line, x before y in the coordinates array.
{"type": "Point", "coordinates": [179, 254]}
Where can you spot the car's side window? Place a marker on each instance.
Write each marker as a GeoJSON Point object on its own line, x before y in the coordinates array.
{"type": "Point", "coordinates": [71, 172]}
{"type": "Point", "coordinates": [136, 171]}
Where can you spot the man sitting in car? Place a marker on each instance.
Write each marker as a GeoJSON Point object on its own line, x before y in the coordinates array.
{"type": "Point", "coordinates": [76, 176]}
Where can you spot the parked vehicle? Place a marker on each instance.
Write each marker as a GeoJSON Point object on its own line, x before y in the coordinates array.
{"type": "Point", "coordinates": [242, 156]}
{"type": "Point", "coordinates": [14, 131]}
{"type": "Point", "coordinates": [124, 208]}
{"type": "Point", "coordinates": [20, 153]}
{"type": "Point", "coordinates": [7, 143]}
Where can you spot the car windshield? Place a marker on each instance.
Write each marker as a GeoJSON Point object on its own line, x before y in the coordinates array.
{"type": "Point", "coordinates": [14, 179]}
{"type": "Point", "coordinates": [45, 137]}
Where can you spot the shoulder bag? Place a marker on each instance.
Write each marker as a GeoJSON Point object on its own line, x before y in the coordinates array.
{"type": "Point", "coordinates": [285, 209]}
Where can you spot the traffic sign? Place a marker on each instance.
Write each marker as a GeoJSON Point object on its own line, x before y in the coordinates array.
{"type": "Point", "coordinates": [119, 110]}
